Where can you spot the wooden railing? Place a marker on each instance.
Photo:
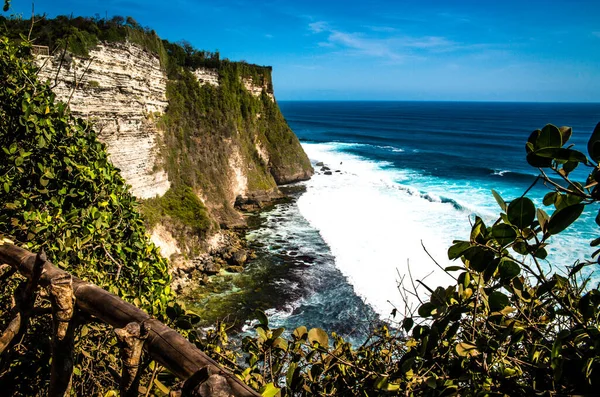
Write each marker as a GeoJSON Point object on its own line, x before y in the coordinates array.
{"type": "Point", "coordinates": [134, 328]}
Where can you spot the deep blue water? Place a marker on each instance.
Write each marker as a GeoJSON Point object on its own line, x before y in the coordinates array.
{"type": "Point", "coordinates": [400, 176]}
{"type": "Point", "coordinates": [412, 174]}
{"type": "Point", "coordinates": [454, 140]}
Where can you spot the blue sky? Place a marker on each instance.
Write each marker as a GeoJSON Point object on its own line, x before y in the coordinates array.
{"type": "Point", "coordinates": [387, 50]}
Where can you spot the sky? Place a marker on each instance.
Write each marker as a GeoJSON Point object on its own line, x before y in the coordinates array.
{"type": "Point", "coordinates": [460, 50]}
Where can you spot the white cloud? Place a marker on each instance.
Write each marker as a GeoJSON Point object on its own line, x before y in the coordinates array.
{"type": "Point", "coordinates": [318, 27]}
{"type": "Point", "coordinates": [394, 48]}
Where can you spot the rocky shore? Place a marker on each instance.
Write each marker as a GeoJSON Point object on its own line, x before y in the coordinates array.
{"type": "Point", "coordinates": [229, 254]}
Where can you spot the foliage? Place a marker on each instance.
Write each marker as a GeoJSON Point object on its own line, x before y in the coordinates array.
{"type": "Point", "coordinates": [60, 193]}
{"type": "Point", "coordinates": [506, 327]}
{"type": "Point", "coordinates": [182, 204]}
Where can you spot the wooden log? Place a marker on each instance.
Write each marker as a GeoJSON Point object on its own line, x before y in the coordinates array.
{"type": "Point", "coordinates": [163, 344]}
{"type": "Point", "coordinates": [23, 302]}
{"type": "Point", "coordinates": [131, 340]}
{"type": "Point", "coordinates": [60, 291]}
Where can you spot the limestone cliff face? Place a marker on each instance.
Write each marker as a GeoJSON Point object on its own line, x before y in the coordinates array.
{"type": "Point", "coordinates": [122, 89]}
{"type": "Point", "coordinates": [216, 130]}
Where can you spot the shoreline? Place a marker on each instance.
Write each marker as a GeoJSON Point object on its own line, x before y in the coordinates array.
{"type": "Point", "coordinates": [292, 277]}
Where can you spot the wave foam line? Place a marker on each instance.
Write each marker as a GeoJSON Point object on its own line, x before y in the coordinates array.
{"type": "Point", "coordinates": [375, 229]}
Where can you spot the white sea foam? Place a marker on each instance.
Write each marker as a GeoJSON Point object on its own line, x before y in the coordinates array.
{"type": "Point", "coordinates": [374, 229]}
{"type": "Point", "coordinates": [374, 219]}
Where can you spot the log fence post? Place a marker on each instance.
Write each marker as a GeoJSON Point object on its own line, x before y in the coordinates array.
{"type": "Point", "coordinates": [163, 344]}
{"type": "Point", "coordinates": [131, 340]}
{"type": "Point", "coordinates": [23, 302]}
{"type": "Point", "coordinates": [60, 292]}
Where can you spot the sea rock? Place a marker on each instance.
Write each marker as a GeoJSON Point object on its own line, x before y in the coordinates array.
{"type": "Point", "coordinates": [240, 257]}
{"type": "Point", "coordinates": [328, 173]}
{"type": "Point", "coordinates": [325, 168]}
{"type": "Point", "coordinates": [320, 164]}
{"type": "Point", "coordinates": [234, 269]}
{"type": "Point", "coordinates": [209, 265]}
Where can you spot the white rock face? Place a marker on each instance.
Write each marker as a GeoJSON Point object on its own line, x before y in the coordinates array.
{"type": "Point", "coordinates": [207, 76]}
{"type": "Point", "coordinates": [163, 239]}
{"type": "Point", "coordinates": [236, 163]}
{"type": "Point", "coordinates": [256, 89]}
{"type": "Point", "coordinates": [122, 88]}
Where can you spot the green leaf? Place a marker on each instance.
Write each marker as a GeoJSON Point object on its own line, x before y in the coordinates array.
{"type": "Point", "coordinates": [277, 332]}
{"type": "Point", "coordinates": [162, 387]}
{"type": "Point", "coordinates": [479, 258]}
{"type": "Point", "coordinates": [426, 309]}
{"type": "Point", "coordinates": [19, 161]}
{"type": "Point", "coordinates": [531, 141]}
{"type": "Point", "coordinates": [563, 218]}
{"type": "Point", "coordinates": [565, 134]}
{"type": "Point", "coordinates": [541, 253]}
{"type": "Point", "coordinates": [549, 137]}
{"type": "Point", "coordinates": [457, 249]}
{"type": "Point", "coordinates": [499, 200]}
{"type": "Point", "coordinates": [562, 154]}
{"type": "Point", "coordinates": [497, 301]}
{"type": "Point", "coordinates": [508, 269]}
{"type": "Point", "coordinates": [542, 218]}
{"type": "Point", "coordinates": [261, 317]}
{"type": "Point", "coordinates": [300, 332]}
{"type": "Point", "coordinates": [319, 336]}
{"type": "Point", "coordinates": [569, 166]}
{"type": "Point", "coordinates": [536, 161]}
{"type": "Point", "coordinates": [431, 382]}
{"type": "Point", "coordinates": [292, 375]}
{"type": "Point", "coordinates": [521, 212]}
{"type": "Point", "coordinates": [466, 349]}
{"type": "Point", "coordinates": [594, 144]}
{"type": "Point", "coordinates": [407, 323]}
{"type": "Point", "coordinates": [504, 234]}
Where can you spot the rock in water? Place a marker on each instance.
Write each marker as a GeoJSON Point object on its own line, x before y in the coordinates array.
{"type": "Point", "coordinates": [240, 257]}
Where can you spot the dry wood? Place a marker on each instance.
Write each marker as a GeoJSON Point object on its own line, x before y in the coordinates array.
{"type": "Point", "coordinates": [60, 291]}
{"type": "Point", "coordinates": [163, 344]}
{"type": "Point", "coordinates": [131, 340]}
{"type": "Point", "coordinates": [22, 307]}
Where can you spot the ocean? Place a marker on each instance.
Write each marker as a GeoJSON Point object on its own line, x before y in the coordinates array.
{"type": "Point", "coordinates": [401, 181]}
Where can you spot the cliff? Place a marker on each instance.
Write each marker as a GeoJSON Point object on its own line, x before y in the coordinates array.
{"type": "Point", "coordinates": [122, 89]}
{"type": "Point", "coordinates": [195, 142]}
